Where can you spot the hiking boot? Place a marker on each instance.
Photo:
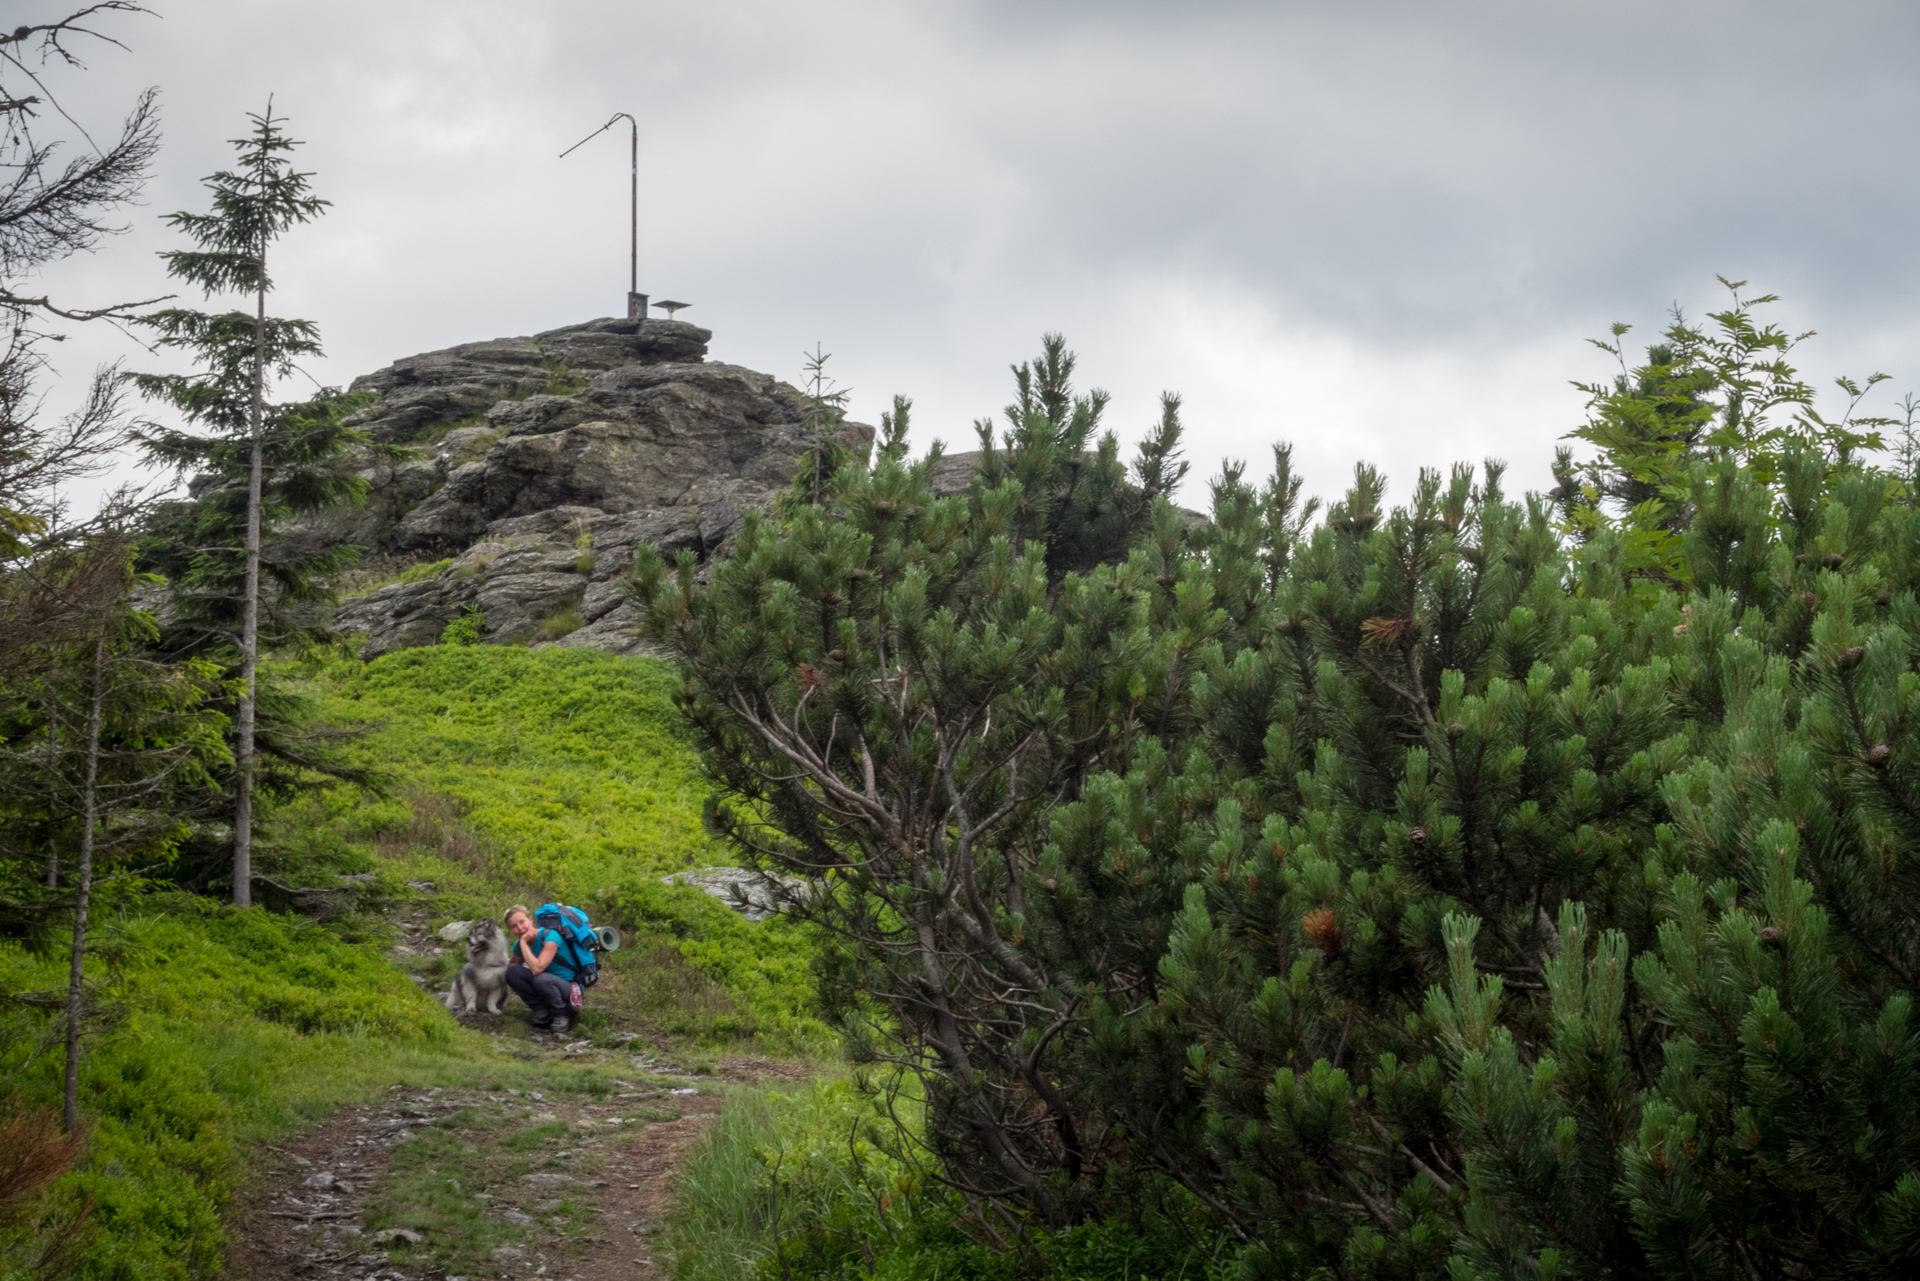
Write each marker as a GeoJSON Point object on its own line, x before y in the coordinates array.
{"type": "Point", "coordinates": [541, 1021]}
{"type": "Point", "coordinates": [564, 1024]}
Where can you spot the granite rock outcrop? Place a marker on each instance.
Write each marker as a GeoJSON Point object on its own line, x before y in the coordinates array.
{"type": "Point", "coordinates": [536, 466]}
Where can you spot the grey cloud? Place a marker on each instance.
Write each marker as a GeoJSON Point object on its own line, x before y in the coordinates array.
{"type": "Point", "coordinates": [1448, 189]}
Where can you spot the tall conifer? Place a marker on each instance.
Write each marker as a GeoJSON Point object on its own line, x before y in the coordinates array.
{"type": "Point", "coordinates": [239, 356]}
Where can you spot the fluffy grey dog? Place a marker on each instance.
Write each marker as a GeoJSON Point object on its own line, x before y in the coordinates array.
{"type": "Point", "coordinates": [482, 985]}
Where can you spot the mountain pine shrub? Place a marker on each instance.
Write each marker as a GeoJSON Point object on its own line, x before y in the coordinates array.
{"type": "Point", "coordinates": [1480, 886]}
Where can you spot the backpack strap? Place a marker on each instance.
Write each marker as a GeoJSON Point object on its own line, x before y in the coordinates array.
{"type": "Point", "coordinates": [573, 950]}
{"type": "Point", "coordinates": [567, 933]}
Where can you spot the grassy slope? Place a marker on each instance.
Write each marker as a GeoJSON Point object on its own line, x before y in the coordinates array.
{"type": "Point", "coordinates": [571, 761]}
{"type": "Point", "coordinates": [517, 775]}
{"type": "Point", "coordinates": [571, 772]}
{"type": "Point", "coordinates": [227, 1027]}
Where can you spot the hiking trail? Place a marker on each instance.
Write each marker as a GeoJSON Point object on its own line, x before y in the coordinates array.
{"type": "Point", "coordinates": [519, 1172]}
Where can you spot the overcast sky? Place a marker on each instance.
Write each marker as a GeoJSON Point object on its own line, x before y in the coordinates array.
{"type": "Point", "coordinates": [1379, 230]}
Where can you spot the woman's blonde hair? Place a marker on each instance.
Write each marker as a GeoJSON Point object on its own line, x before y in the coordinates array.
{"type": "Point", "coordinates": [506, 918]}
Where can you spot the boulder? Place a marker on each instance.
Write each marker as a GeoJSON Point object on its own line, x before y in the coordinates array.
{"type": "Point", "coordinates": [613, 414]}
{"type": "Point", "coordinates": [755, 895]}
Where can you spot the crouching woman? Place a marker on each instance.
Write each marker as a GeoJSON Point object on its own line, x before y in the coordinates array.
{"type": "Point", "coordinates": [539, 973]}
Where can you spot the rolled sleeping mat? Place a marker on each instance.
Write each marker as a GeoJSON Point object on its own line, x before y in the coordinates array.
{"type": "Point", "coordinates": [609, 938]}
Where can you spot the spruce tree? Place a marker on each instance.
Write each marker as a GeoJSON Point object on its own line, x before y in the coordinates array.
{"type": "Point", "coordinates": [825, 408]}
{"type": "Point", "coordinates": [239, 357]}
{"type": "Point", "coordinates": [107, 756]}
{"type": "Point", "coordinates": [198, 542]}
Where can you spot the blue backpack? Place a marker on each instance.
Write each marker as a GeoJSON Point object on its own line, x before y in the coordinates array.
{"type": "Point", "coordinates": [577, 936]}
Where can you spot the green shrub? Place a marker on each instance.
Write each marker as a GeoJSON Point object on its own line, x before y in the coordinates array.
{"type": "Point", "coordinates": [464, 629]}
{"type": "Point", "coordinates": [584, 563]}
{"type": "Point", "coordinates": [425, 570]}
{"type": "Point", "coordinates": [930, 1247]}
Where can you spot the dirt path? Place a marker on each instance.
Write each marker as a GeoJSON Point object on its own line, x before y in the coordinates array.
{"type": "Point", "coordinates": [568, 1188]}
{"type": "Point", "coordinates": [531, 1167]}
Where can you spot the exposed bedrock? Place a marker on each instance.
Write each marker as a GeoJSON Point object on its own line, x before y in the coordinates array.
{"type": "Point", "coordinates": [541, 463]}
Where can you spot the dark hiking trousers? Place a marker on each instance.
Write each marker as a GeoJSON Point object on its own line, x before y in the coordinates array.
{"type": "Point", "coordinates": [545, 994]}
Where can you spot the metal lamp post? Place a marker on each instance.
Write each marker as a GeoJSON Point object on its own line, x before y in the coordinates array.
{"type": "Point", "coordinates": [636, 301]}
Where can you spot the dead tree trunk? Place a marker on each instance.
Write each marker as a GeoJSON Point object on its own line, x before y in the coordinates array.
{"type": "Point", "coordinates": [53, 757]}
{"type": "Point", "coordinates": [83, 884]}
{"type": "Point", "coordinates": [250, 621]}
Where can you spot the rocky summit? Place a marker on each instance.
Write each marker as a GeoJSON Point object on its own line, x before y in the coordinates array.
{"type": "Point", "coordinates": [536, 466]}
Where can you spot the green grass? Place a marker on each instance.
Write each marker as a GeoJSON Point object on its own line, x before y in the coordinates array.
{"type": "Point", "coordinates": [424, 570]}
{"type": "Point", "coordinates": [552, 628]}
{"type": "Point", "coordinates": [226, 1027]}
{"type": "Point", "coordinates": [783, 1164]}
{"type": "Point", "coordinates": [516, 775]}
{"type": "Point", "coordinates": [371, 575]}
{"type": "Point", "coordinates": [442, 1184]}
{"type": "Point", "coordinates": [432, 433]}
{"type": "Point", "coordinates": [574, 761]}
{"type": "Point", "coordinates": [800, 1185]}
{"type": "Point", "coordinates": [524, 775]}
